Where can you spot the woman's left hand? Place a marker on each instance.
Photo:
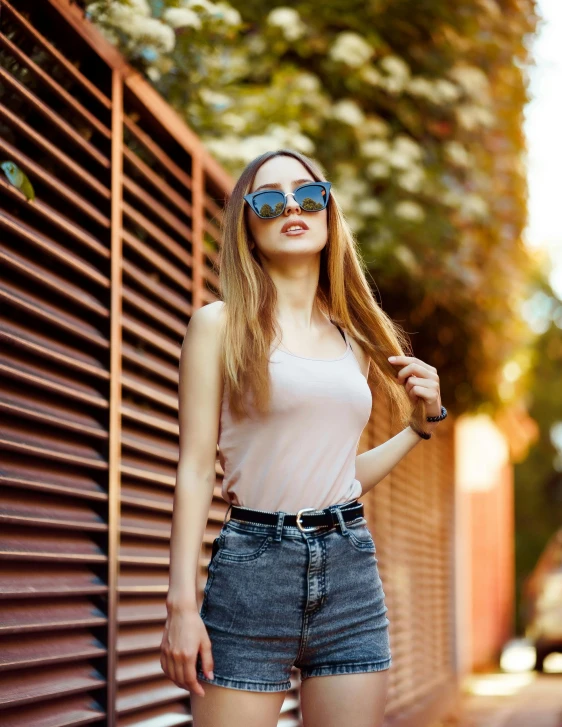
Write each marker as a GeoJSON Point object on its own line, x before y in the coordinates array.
{"type": "Point", "coordinates": [421, 382]}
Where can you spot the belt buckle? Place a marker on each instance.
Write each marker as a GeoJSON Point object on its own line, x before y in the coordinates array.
{"type": "Point", "coordinates": [301, 527]}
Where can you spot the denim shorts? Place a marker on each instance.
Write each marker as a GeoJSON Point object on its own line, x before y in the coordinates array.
{"type": "Point", "coordinates": [277, 597]}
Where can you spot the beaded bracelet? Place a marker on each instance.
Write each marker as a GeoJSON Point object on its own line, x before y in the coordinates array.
{"type": "Point", "coordinates": [427, 435]}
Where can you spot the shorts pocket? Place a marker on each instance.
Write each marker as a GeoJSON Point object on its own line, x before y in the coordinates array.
{"type": "Point", "coordinates": [242, 546]}
{"type": "Point", "coordinates": [360, 536]}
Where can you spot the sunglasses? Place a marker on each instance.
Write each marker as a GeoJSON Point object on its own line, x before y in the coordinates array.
{"type": "Point", "coordinates": [269, 203]}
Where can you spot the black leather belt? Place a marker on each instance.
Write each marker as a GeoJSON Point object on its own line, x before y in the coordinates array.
{"type": "Point", "coordinates": [304, 519]}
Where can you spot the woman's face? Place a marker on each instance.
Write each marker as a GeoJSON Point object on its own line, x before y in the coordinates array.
{"type": "Point", "coordinates": [271, 236]}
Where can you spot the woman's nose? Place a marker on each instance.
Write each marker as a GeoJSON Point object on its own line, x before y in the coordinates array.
{"type": "Point", "coordinates": [292, 205]}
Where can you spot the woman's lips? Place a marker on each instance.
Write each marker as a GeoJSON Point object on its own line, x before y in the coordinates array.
{"type": "Point", "coordinates": [294, 233]}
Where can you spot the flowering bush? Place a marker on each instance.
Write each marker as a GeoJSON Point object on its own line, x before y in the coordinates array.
{"type": "Point", "coordinates": [413, 109]}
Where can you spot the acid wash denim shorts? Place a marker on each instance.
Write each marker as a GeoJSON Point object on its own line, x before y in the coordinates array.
{"type": "Point", "coordinates": [277, 597]}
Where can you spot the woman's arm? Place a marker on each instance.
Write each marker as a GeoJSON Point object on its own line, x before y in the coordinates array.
{"type": "Point", "coordinates": [374, 465]}
{"type": "Point", "coordinates": [200, 392]}
{"type": "Point", "coordinates": [419, 380]}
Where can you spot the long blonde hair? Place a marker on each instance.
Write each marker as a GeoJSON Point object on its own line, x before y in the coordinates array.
{"type": "Point", "coordinates": [343, 294]}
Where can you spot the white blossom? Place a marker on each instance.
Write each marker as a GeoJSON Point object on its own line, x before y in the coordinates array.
{"type": "Point", "coordinates": [412, 180]}
{"type": "Point", "coordinates": [471, 116]}
{"type": "Point", "coordinates": [307, 82]}
{"type": "Point", "coordinates": [409, 210]}
{"type": "Point", "coordinates": [472, 205]}
{"type": "Point", "coordinates": [348, 112]}
{"type": "Point", "coordinates": [370, 75]}
{"type": "Point", "coordinates": [375, 126]}
{"type": "Point", "coordinates": [182, 17]}
{"type": "Point", "coordinates": [153, 73]}
{"type": "Point", "coordinates": [204, 5]}
{"type": "Point", "coordinates": [370, 207]}
{"type": "Point", "coordinates": [234, 121]}
{"type": "Point", "coordinates": [420, 86]}
{"type": "Point", "coordinates": [456, 153]}
{"type": "Point", "coordinates": [151, 32]}
{"type": "Point", "coordinates": [226, 12]}
{"type": "Point", "coordinates": [289, 21]}
{"type": "Point", "coordinates": [375, 148]}
{"type": "Point", "coordinates": [406, 145]}
{"type": "Point", "coordinates": [398, 74]}
{"type": "Point", "coordinates": [351, 48]}
{"type": "Point", "coordinates": [215, 99]}
{"type": "Point", "coordinates": [378, 170]}
{"type": "Point", "coordinates": [444, 91]}
{"type": "Point", "coordinates": [396, 67]}
{"type": "Point", "coordinates": [472, 80]}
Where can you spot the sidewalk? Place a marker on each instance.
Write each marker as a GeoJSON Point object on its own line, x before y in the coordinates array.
{"type": "Point", "coordinates": [498, 699]}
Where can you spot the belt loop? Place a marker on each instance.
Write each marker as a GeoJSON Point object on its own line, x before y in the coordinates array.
{"type": "Point", "coordinates": [226, 513]}
{"type": "Point", "coordinates": [343, 526]}
{"type": "Point", "coordinates": [279, 527]}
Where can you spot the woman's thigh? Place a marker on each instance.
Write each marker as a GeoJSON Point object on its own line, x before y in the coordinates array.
{"type": "Point", "coordinates": [227, 707]}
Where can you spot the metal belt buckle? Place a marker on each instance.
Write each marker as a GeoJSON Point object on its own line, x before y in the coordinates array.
{"type": "Point", "coordinates": [299, 526]}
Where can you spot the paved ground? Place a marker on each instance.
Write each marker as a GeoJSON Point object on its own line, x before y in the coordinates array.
{"type": "Point", "coordinates": [499, 699]}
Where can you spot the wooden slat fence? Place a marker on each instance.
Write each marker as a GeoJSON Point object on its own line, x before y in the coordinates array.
{"type": "Point", "coordinates": [100, 275]}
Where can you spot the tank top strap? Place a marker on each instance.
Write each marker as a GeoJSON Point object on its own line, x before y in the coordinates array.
{"type": "Point", "coordinates": [340, 329]}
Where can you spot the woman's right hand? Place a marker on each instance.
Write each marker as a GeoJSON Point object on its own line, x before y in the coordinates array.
{"type": "Point", "coordinates": [185, 636]}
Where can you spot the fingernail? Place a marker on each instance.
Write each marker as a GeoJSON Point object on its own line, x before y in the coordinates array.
{"type": "Point", "coordinates": [210, 675]}
{"type": "Point", "coordinates": [392, 358]}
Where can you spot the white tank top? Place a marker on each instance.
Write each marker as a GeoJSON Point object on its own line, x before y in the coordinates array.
{"type": "Point", "coordinates": [301, 454]}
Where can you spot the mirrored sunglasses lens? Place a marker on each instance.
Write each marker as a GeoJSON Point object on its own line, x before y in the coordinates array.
{"type": "Point", "coordinates": [312, 199]}
{"type": "Point", "coordinates": [269, 204]}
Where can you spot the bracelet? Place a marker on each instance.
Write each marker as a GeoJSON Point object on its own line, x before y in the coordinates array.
{"type": "Point", "coordinates": [423, 435]}
{"type": "Point", "coordinates": [440, 418]}
{"type": "Point", "coordinates": [427, 435]}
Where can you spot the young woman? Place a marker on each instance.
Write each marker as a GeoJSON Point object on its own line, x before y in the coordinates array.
{"type": "Point", "coordinates": [277, 372]}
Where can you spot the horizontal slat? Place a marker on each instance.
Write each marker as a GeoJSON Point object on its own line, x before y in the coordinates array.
{"type": "Point", "coordinates": [153, 420]}
{"type": "Point", "coordinates": [150, 202]}
{"type": "Point", "coordinates": [46, 511]}
{"type": "Point", "coordinates": [42, 477]}
{"type": "Point", "coordinates": [138, 667]}
{"type": "Point", "coordinates": [48, 683]}
{"type": "Point", "coordinates": [48, 82]}
{"type": "Point", "coordinates": [61, 59]}
{"type": "Point", "coordinates": [39, 409]}
{"type": "Point", "coordinates": [22, 617]}
{"type": "Point", "coordinates": [137, 697]}
{"type": "Point", "coordinates": [150, 446]}
{"type": "Point", "coordinates": [169, 715]}
{"type": "Point", "coordinates": [138, 469]}
{"type": "Point", "coordinates": [50, 580]}
{"type": "Point", "coordinates": [147, 526]}
{"type": "Point", "coordinates": [47, 313]}
{"type": "Point", "coordinates": [157, 152]}
{"type": "Point", "coordinates": [156, 313]}
{"type": "Point", "coordinates": [142, 387]}
{"type": "Point", "coordinates": [32, 650]}
{"type": "Point", "coordinates": [21, 544]}
{"type": "Point", "coordinates": [142, 498]}
{"type": "Point", "coordinates": [54, 151]}
{"type": "Point", "coordinates": [34, 343]}
{"type": "Point", "coordinates": [180, 254]}
{"type": "Point", "coordinates": [157, 290]}
{"type": "Point", "coordinates": [31, 443]}
{"type": "Point", "coordinates": [141, 611]}
{"type": "Point", "coordinates": [157, 262]}
{"type": "Point", "coordinates": [70, 711]}
{"type": "Point", "coordinates": [55, 119]}
{"type": "Point", "coordinates": [139, 639]}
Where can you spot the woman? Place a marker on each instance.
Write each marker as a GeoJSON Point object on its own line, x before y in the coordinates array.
{"type": "Point", "coordinates": [293, 577]}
